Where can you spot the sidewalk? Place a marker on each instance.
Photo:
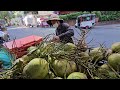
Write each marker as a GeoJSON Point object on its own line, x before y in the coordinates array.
{"type": "Point", "coordinates": [16, 27]}
{"type": "Point", "coordinates": [108, 23]}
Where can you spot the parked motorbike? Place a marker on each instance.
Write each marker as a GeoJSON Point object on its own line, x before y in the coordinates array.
{"type": "Point", "coordinates": [4, 36]}
{"type": "Point", "coordinates": [1, 40]}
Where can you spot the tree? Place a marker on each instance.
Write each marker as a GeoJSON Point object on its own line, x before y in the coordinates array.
{"type": "Point", "coordinates": [4, 14]}
{"type": "Point", "coordinates": [18, 13]}
{"type": "Point", "coordinates": [33, 12]}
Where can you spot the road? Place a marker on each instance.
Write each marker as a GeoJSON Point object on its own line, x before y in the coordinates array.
{"type": "Point", "coordinates": [106, 34]}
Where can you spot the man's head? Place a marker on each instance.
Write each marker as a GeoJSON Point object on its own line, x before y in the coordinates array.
{"type": "Point", "coordinates": [54, 20]}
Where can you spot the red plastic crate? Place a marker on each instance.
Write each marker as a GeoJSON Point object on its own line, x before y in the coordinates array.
{"type": "Point", "coordinates": [19, 46]}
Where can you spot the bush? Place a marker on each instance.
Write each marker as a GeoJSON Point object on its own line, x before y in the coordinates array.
{"type": "Point", "coordinates": [102, 15]}
{"type": "Point", "coordinates": [64, 17]}
{"type": "Point", "coordinates": [70, 16]}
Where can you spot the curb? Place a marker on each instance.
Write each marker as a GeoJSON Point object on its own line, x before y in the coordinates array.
{"type": "Point", "coordinates": [107, 23]}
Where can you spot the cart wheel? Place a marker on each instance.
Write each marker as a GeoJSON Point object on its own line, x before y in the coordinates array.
{"type": "Point", "coordinates": [90, 27]}
{"type": "Point", "coordinates": [87, 27]}
{"type": "Point", "coordinates": [75, 26]}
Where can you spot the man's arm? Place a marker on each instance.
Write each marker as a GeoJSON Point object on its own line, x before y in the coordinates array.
{"type": "Point", "coordinates": [69, 33]}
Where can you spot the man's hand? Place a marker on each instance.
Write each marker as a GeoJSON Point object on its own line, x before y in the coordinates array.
{"type": "Point", "coordinates": [56, 39]}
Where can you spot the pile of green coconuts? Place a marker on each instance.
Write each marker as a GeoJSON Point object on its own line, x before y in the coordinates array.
{"type": "Point", "coordinates": [50, 60]}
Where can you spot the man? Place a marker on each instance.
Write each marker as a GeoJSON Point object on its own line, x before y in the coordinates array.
{"type": "Point", "coordinates": [64, 32]}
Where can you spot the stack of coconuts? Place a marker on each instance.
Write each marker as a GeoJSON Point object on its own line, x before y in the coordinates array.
{"type": "Point", "coordinates": [64, 61]}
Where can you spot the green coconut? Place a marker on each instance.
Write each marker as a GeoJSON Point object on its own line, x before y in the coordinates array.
{"type": "Point", "coordinates": [95, 77]}
{"type": "Point", "coordinates": [32, 56]}
{"type": "Point", "coordinates": [84, 56]}
{"type": "Point", "coordinates": [64, 67]}
{"type": "Point", "coordinates": [96, 54]}
{"type": "Point", "coordinates": [116, 47]}
{"type": "Point", "coordinates": [50, 75]}
{"type": "Point", "coordinates": [31, 48]}
{"type": "Point", "coordinates": [60, 52]}
{"type": "Point", "coordinates": [26, 59]}
{"type": "Point", "coordinates": [49, 48]}
{"type": "Point", "coordinates": [112, 75]}
{"type": "Point", "coordinates": [104, 68]}
{"type": "Point", "coordinates": [77, 75]}
{"type": "Point", "coordinates": [44, 44]}
{"type": "Point", "coordinates": [50, 59]}
{"type": "Point", "coordinates": [57, 78]}
{"type": "Point", "coordinates": [18, 60]}
{"type": "Point", "coordinates": [69, 46]}
{"type": "Point", "coordinates": [37, 68]}
{"type": "Point", "coordinates": [108, 53]}
{"type": "Point", "coordinates": [38, 51]}
{"type": "Point", "coordinates": [114, 61]}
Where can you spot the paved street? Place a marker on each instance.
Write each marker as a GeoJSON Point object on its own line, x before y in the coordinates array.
{"type": "Point", "coordinates": [106, 34]}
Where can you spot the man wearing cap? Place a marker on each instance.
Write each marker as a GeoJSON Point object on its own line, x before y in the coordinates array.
{"type": "Point", "coordinates": [64, 32]}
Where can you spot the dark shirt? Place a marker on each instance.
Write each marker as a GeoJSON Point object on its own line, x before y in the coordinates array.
{"type": "Point", "coordinates": [1, 40]}
{"type": "Point", "coordinates": [65, 33]}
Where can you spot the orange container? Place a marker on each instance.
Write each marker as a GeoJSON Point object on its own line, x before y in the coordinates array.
{"type": "Point", "coordinates": [19, 46]}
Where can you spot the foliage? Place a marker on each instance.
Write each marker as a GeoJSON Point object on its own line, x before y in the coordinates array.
{"type": "Point", "coordinates": [72, 15]}
{"type": "Point", "coordinates": [8, 15]}
{"type": "Point", "coordinates": [18, 13]}
{"type": "Point", "coordinates": [4, 14]}
{"type": "Point", "coordinates": [102, 15]}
